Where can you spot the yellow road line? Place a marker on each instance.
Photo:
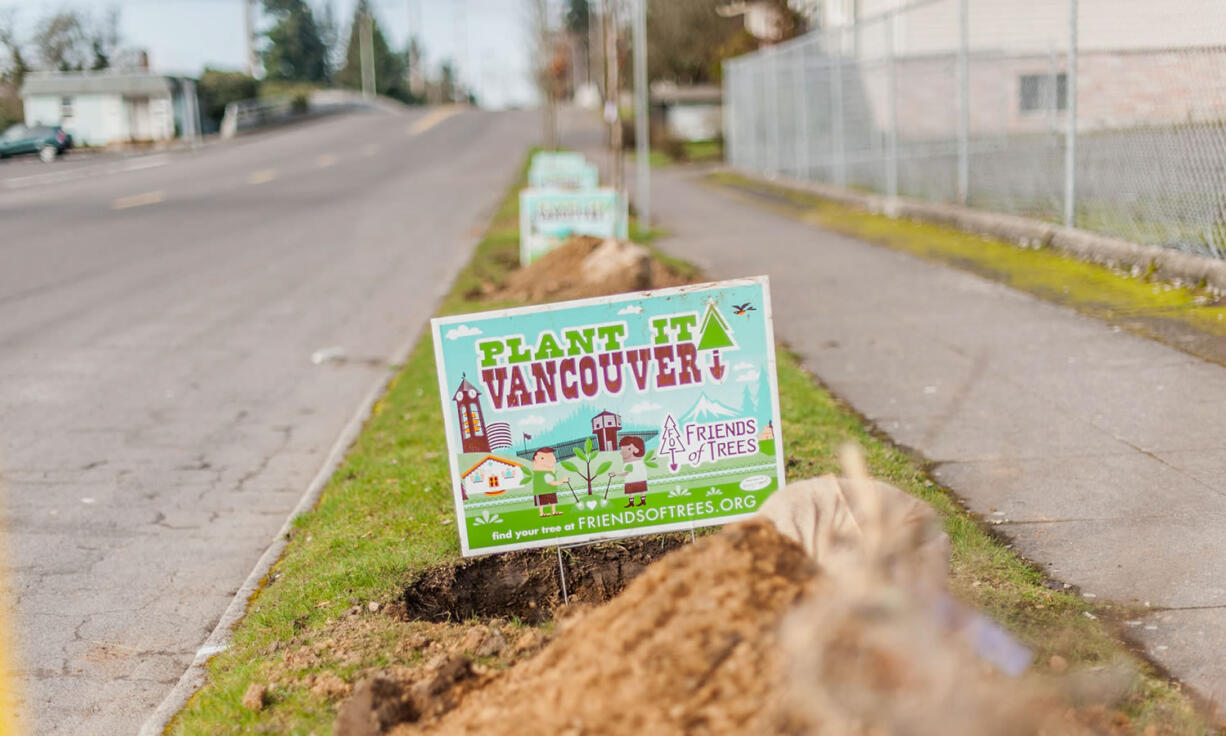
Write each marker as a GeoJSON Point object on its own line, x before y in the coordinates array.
{"type": "Point", "coordinates": [325, 160]}
{"type": "Point", "coordinates": [432, 118]}
{"type": "Point", "coordinates": [263, 176]}
{"type": "Point", "coordinates": [8, 661]}
{"type": "Point", "coordinates": [139, 200]}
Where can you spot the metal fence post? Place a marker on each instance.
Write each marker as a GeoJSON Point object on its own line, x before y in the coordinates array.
{"type": "Point", "coordinates": [964, 102]}
{"type": "Point", "coordinates": [727, 113]}
{"type": "Point", "coordinates": [836, 119]}
{"type": "Point", "coordinates": [758, 102]}
{"type": "Point", "coordinates": [642, 147]}
{"type": "Point", "coordinates": [891, 154]}
{"type": "Point", "coordinates": [802, 112]}
{"type": "Point", "coordinates": [1070, 131]}
{"type": "Point", "coordinates": [772, 89]}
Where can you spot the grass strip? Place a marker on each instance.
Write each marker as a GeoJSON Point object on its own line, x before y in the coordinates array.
{"type": "Point", "coordinates": [387, 514]}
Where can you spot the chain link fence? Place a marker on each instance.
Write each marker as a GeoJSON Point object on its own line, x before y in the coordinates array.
{"type": "Point", "coordinates": [1108, 115]}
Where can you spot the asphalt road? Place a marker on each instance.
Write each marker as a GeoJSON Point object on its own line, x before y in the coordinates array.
{"type": "Point", "coordinates": [160, 412]}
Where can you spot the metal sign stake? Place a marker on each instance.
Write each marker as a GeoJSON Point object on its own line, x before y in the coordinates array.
{"type": "Point", "coordinates": [562, 576]}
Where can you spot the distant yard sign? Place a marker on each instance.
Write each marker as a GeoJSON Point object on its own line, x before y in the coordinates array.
{"type": "Point", "coordinates": [562, 170]}
{"type": "Point", "coordinates": [612, 417]}
{"type": "Point", "coordinates": [548, 216]}
{"type": "Point", "coordinates": [579, 176]}
{"type": "Point", "coordinates": [556, 159]}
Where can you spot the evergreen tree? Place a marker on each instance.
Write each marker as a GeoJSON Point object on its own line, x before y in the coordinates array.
{"type": "Point", "coordinates": [388, 66]}
{"type": "Point", "coordinates": [446, 81]}
{"type": "Point", "coordinates": [577, 17]}
{"type": "Point", "coordinates": [578, 23]}
{"type": "Point", "coordinates": [765, 411]}
{"type": "Point", "coordinates": [747, 405]}
{"type": "Point", "coordinates": [296, 48]}
{"type": "Point", "coordinates": [715, 331]}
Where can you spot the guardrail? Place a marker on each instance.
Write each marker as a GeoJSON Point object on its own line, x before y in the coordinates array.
{"type": "Point", "coordinates": [247, 115]}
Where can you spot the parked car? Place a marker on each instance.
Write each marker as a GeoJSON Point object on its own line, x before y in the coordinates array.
{"type": "Point", "coordinates": [48, 141]}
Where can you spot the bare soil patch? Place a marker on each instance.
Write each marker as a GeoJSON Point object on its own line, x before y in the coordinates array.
{"type": "Point", "coordinates": [572, 272]}
{"type": "Point", "coordinates": [526, 585]}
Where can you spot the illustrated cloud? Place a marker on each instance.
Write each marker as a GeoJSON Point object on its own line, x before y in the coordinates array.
{"type": "Point", "coordinates": [749, 376]}
{"type": "Point", "coordinates": [456, 333]}
{"type": "Point", "coordinates": [535, 420]}
{"type": "Point", "coordinates": [632, 309]}
{"type": "Point", "coordinates": [643, 407]}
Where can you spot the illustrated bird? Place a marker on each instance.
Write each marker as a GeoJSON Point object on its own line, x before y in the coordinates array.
{"type": "Point", "coordinates": [742, 309]}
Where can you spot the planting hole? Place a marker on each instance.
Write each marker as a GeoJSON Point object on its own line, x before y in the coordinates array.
{"type": "Point", "coordinates": [526, 585]}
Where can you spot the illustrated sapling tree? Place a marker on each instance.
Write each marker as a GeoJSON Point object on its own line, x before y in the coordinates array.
{"type": "Point", "coordinates": [670, 442]}
{"type": "Point", "coordinates": [587, 454]}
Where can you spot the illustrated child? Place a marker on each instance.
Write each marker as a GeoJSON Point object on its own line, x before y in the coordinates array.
{"type": "Point", "coordinates": [634, 469]}
{"type": "Point", "coordinates": [545, 481]}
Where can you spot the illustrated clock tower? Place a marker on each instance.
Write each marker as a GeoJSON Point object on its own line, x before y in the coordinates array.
{"type": "Point", "coordinates": [472, 421]}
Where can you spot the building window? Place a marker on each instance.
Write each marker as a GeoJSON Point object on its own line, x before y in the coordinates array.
{"type": "Point", "coordinates": [65, 109]}
{"type": "Point", "coordinates": [1035, 92]}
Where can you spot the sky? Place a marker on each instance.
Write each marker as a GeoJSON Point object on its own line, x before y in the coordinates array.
{"type": "Point", "coordinates": [489, 38]}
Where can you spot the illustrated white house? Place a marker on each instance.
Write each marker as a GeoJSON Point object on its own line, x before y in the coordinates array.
{"type": "Point", "coordinates": [106, 107]}
{"type": "Point", "coordinates": [493, 476]}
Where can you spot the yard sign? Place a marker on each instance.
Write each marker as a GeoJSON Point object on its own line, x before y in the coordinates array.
{"type": "Point", "coordinates": [578, 176]}
{"type": "Point", "coordinates": [633, 414]}
{"type": "Point", "coordinates": [556, 159]}
{"type": "Point", "coordinates": [548, 216]}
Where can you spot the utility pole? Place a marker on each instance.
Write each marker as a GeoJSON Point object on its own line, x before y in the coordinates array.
{"type": "Point", "coordinates": [367, 52]}
{"type": "Point", "coordinates": [642, 183]}
{"type": "Point", "coordinates": [593, 42]}
{"type": "Point", "coordinates": [459, 29]}
{"type": "Point", "coordinates": [249, 34]}
{"type": "Point", "coordinates": [1070, 132]}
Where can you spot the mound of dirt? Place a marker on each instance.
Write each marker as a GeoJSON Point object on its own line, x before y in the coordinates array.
{"type": "Point", "coordinates": [817, 619]}
{"type": "Point", "coordinates": [586, 267]}
{"type": "Point", "coordinates": [691, 646]}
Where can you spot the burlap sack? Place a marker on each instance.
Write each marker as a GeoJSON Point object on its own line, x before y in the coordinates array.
{"type": "Point", "coordinates": [836, 526]}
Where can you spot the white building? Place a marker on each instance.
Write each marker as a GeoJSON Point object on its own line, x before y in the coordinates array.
{"type": "Point", "coordinates": [101, 108]}
{"type": "Point", "coordinates": [493, 476]}
{"type": "Point", "coordinates": [693, 113]}
{"type": "Point", "coordinates": [1140, 63]}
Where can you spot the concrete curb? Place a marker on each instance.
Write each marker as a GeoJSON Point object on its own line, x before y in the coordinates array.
{"type": "Point", "coordinates": [1165, 263]}
{"type": "Point", "coordinates": [219, 639]}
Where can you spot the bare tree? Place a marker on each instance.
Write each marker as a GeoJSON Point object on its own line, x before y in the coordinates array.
{"type": "Point", "coordinates": [13, 65]}
{"type": "Point", "coordinates": [104, 38]}
{"type": "Point", "coordinates": [71, 39]}
{"type": "Point", "coordinates": [61, 41]}
{"type": "Point", "coordinates": [550, 66]}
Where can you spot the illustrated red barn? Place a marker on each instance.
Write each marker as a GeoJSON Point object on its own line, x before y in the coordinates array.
{"type": "Point", "coordinates": [605, 426]}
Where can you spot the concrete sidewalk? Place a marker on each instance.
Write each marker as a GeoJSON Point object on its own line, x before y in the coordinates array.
{"type": "Point", "coordinates": [1101, 454]}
